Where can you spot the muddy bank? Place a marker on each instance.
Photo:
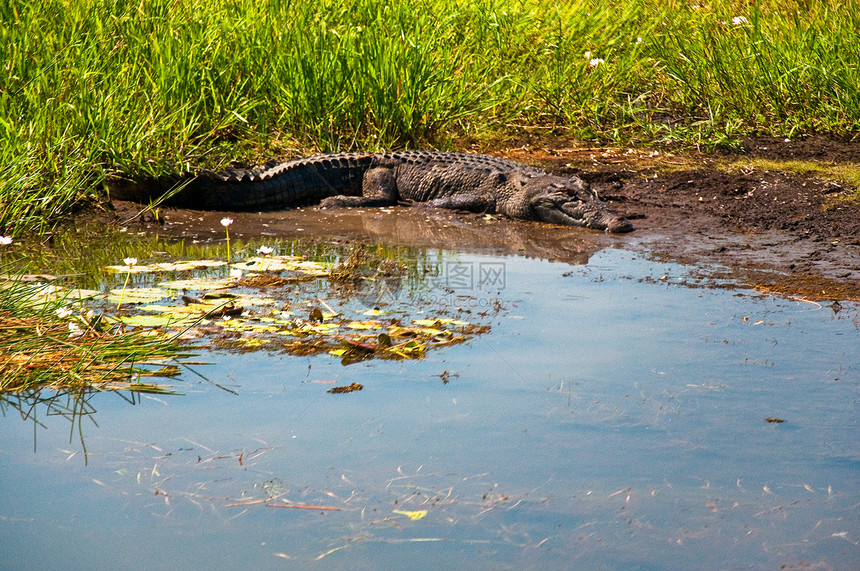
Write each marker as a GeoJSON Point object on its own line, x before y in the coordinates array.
{"type": "Point", "coordinates": [771, 229]}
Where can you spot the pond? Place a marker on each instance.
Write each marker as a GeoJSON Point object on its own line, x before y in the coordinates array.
{"type": "Point", "coordinates": [616, 414]}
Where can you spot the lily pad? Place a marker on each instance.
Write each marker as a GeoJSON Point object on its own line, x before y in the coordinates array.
{"type": "Point", "coordinates": [201, 284]}
{"type": "Point", "coordinates": [149, 320]}
{"type": "Point", "coordinates": [137, 295]}
{"type": "Point", "coordinates": [364, 325]}
{"type": "Point", "coordinates": [283, 264]}
{"type": "Point", "coordinates": [439, 321]}
{"type": "Point", "coordinates": [185, 265]}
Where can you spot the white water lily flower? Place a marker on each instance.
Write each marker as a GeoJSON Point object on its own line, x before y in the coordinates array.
{"type": "Point", "coordinates": [5, 240]}
{"type": "Point", "coordinates": [265, 250]}
{"type": "Point", "coordinates": [75, 331]}
{"type": "Point", "coordinates": [129, 261]}
{"type": "Point", "coordinates": [226, 222]}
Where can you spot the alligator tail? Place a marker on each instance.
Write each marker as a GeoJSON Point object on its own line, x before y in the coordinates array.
{"type": "Point", "coordinates": [274, 186]}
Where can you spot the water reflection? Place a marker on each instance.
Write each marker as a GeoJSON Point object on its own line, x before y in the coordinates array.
{"type": "Point", "coordinates": [411, 227]}
{"type": "Point", "coordinates": [44, 406]}
{"type": "Point", "coordinates": [614, 418]}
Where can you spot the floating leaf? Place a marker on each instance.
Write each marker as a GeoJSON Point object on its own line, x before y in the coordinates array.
{"type": "Point", "coordinates": [137, 295]}
{"type": "Point", "coordinates": [192, 309]}
{"type": "Point", "coordinates": [438, 322]}
{"type": "Point", "coordinates": [321, 328]}
{"type": "Point", "coordinates": [196, 284]}
{"type": "Point", "coordinates": [243, 325]}
{"type": "Point", "coordinates": [347, 389]}
{"type": "Point", "coordinates": [186, 265]}
{"type": "Point", "coordinates": [149, 320]}
{"type": "Point", "coordinates": [283, 264]}
{"type": "Point", "coordinates": [252, 341]}
{"type": "Point", "coordinates": [79, 294]}
{"type": "Point", "coordinates": [358, 346]}
{"type": "Point", "coordinates": [412, 515]}
{"type": "Point", "coordinates": [383, 340]}
{"type": "Point", "coordinates": [191, 265]}
{"type": "Point", "coordinates": [373, 311]}
{"type": "Point", "coordinates": [428, 332]}
{"type": "Point", "coordinates": [220, 295]}
{"type": "Point", "coordinates": [412, 346]}
{"type": "Point", "coordinates": [364, 325]}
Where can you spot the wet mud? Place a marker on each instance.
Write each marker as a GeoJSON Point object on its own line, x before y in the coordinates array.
{"type": "Point", "coordinates": [770, 229]}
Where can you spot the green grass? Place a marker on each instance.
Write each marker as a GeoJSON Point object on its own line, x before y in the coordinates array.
{"type": "Point", "coordinates": [845, 174]}
{"type": "Point", "coordinates": [93, 89]}
{"type": "Point", "coordinates": [41, 348]}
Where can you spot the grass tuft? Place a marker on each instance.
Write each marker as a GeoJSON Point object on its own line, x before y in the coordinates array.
{"type": "Point", "coordinates": [97, 89]}
{"type": "Point", "coordinates": [45, 343]}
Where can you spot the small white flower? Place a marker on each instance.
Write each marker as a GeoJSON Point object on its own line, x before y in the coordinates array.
{"type": "Point", "coordinates": [75, 331]}
{"type": "Point", "coordinates": [594, 62]}
{"type": "Point", "coordinates": [129, 261]}
{"type": "Point", "coordinates": [64, 312]}
{"type": "Point", "coordinates": [5, 240]}
{"type": "Point", "coordinates": [638, 39]}
{"type": "Point", "coordinates": [226, 222]}
{"type": "Point", "coordinates": [588, 55]}
{"type": "Point", "coordinates": [739, 21]}
{"type": "Point", "coordinates": [265, 250]}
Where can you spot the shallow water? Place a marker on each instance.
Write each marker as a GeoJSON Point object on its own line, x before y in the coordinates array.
{"type": "Point", "coordinates": [613, 418]}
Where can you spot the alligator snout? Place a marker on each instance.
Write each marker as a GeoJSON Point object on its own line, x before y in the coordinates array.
{"type": "Point", "coordinates": [619, 225]}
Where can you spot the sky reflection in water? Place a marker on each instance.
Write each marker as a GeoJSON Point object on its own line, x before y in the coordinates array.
{"type": "Point", "coordinates": [612, 419]}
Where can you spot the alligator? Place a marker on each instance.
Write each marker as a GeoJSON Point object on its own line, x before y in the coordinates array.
{"type": "Point", "coordinates": [460, 181]}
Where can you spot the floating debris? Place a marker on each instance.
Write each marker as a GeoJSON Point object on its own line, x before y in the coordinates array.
{"type": "Point", "coordinates": [347, 389]}
{"type": "Point", "coordinates": [264, 309]}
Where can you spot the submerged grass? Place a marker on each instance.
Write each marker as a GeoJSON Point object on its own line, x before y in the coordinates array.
{"type": "Point", "coordinates": [46, 343]}
{"type": "Point", "coordinates": [101, 89]}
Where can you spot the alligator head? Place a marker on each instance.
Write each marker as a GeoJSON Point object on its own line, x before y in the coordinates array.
{"type": "Point", "coordinates": [570, 202]}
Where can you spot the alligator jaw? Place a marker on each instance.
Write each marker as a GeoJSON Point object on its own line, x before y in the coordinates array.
{"type": "Point", "coordinates": [617, 224]}
{"type": "Point", "coordinates": [578, 213]}
{"type": "Point", "coordinates": [594, 215]}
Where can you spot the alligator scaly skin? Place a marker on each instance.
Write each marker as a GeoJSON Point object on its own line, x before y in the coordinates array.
{"type": "Point", "coordinates": [463, 181]}
{"type": "Point", "coordinates": [277, 186]}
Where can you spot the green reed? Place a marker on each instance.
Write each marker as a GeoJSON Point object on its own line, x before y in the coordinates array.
{"type": "Point", "coordinates": [46, 342]}
{"type": "Point", "coordinates": [99, 89]}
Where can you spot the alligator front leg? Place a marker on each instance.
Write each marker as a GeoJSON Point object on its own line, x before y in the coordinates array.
{"type": "Point", "coordinates": [379, 188]}
{"type": "Point", "coordinates": [469, 202]}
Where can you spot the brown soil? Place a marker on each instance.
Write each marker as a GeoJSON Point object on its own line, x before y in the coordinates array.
{"type": "Point", "coordinates": [778, 231]}
{"type": "Point", "coordinates": [775, 230]}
